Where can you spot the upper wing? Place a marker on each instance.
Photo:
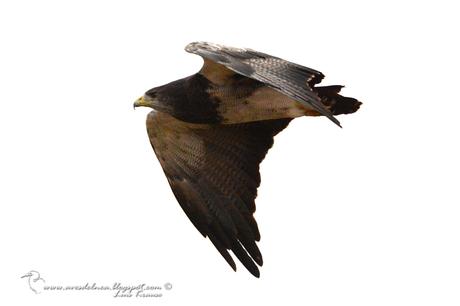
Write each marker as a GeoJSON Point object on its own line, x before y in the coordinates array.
{"type": "Point", "coordinates": [289, 78]}
{"type": "Point", "coordinates": [213, 171]}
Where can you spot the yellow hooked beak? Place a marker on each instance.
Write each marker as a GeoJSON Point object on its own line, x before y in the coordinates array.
{"type": "Point", "coordinates": [141, 102]}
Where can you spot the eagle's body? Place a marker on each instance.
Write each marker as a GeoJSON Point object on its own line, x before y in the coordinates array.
{"type": "Point", "coordinates": [211, 130]}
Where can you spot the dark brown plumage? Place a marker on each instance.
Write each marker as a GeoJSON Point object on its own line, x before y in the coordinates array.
{"type": "Point", "coordinates": [210, 132]}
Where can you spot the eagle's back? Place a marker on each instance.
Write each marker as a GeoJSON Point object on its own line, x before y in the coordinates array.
{"type": "Point", "coordinates": [196, 99]}
{"type": "Point", "coordinates": [187, 99]}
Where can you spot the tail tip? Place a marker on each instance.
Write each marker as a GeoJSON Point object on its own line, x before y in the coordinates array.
{"type": "Point", "coordinates": [346, 106]}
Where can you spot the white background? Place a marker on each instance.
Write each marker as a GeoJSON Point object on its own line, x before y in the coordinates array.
{"type": "Point", "coordinates": [364, 215]}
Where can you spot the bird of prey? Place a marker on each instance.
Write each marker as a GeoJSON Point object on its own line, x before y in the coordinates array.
{"type": "Point", "coordinates": [211, 130]}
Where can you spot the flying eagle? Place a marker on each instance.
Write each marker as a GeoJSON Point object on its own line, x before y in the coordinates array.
{"type": "Point", "coordinates": [211, 130]}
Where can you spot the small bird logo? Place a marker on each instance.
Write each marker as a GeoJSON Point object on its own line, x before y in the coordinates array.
{"type": "Point", "coordinates": [36, 283]}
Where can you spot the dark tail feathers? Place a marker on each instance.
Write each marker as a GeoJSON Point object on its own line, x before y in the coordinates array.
{"type": "Point", "coordinates": [336, 103]}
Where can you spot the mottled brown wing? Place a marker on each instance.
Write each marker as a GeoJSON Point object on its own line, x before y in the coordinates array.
{"type": "Point", "coordinates": [213, 171]}
{"type": "Point", "coordinates": [293, 80]}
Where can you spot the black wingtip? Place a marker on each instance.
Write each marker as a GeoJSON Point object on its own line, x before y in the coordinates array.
{"type": "Point", "coordinates": [259, 260]}
{"type": "Point", "coordinates": [244, 258]}
{"type": "Point", "coordinates": [222, 250]}
{"type": "Point", "coordinates": [333, 119]}
{"type": "Point", "coordinates": [254, 271]}
{"type": "Point", "coordinates": [325, 112]}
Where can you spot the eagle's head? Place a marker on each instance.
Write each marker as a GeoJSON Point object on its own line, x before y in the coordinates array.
{"type": "Point", "coordinates": [163, 98]}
